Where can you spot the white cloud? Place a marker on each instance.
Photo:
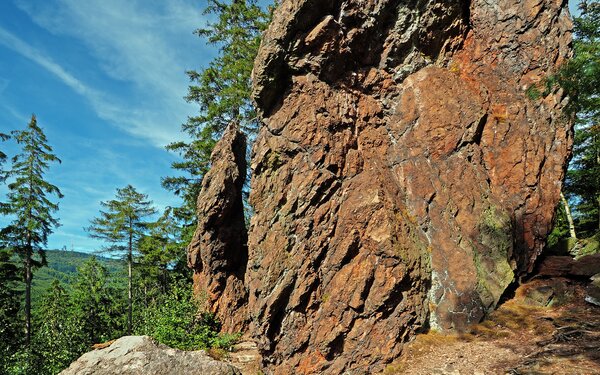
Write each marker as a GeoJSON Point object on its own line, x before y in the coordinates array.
{"type": "Point", "coordinates": [21, 118]}
{"type": "Point", "coordinates": [16, 44]}
{"type": "Point", "coordinates": [3, 84]}
{"type": "Point", "coordinates": [144, 44]}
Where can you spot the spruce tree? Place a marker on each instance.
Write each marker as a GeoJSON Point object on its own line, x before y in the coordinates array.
{"type": "Point", "coordinates": [29, 206]}
{"type": "Point", "coordinates": [162, 255]}
{"type": "Point", "coordinates": [222, 92]}
{"type": "Point", "coordinates": [97, 304]}
{"type": "Point", "coordinates": [10, 325]}
{"type": "Point", "coordinates": [580, 77]}
{"type": "Point", "coordinates": [122, 224]}
{"type": "Point", "coordinates": [57, 337]}
{"type": "Point", "coordinates": [3, 137]}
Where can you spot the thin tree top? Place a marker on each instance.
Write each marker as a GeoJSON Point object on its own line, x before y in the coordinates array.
{"type": "Point", "coordinates": [122, 217]}
{"type": "Point", "coordinates": [29, 201]}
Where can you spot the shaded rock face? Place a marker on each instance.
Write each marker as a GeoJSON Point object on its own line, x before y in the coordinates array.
{"type": "Point", "coordinates": [218, 253]}
{"type": "Point", "coordinates": [403, 178]}
{"type": "Point", "coordinates": [139, 355]}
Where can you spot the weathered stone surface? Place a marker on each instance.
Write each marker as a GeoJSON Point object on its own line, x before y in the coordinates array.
{"type": "Point", "coordinates": [403, 177]}
{"type": "Point", "coordinates": [140, 355]}
{"type": "Point", "coordinates": [218, 253]}
{"type": "Point", "coordinates": [566, 266]}
{"type": "Point", "coordinates": [593, 291]}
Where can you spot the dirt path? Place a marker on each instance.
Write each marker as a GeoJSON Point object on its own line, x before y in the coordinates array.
{"type": "Point", "coordinates": [547, 328]}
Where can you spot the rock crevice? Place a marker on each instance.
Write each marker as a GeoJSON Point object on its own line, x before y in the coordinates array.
{"type": "Point", "coordinates": [218, 253]}
{"type": "Point", "coordinates": [402, 179]}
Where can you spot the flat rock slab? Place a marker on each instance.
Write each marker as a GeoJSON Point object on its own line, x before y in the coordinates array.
{"type": "Point", "coordinates": [131, 355]}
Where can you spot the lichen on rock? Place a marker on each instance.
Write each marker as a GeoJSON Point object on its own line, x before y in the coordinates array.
{"type": "Point", "coordinates": [402, 177]}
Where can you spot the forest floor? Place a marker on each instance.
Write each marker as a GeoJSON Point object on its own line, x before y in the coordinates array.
{"type": "Point", "coordinates": [546, 328]}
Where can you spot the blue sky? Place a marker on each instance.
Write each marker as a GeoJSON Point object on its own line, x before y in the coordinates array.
{"type": "Point", "coordinates": [106, 79]}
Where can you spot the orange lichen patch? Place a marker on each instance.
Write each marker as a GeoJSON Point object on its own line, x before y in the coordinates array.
{"type": "Point", "coordinates": [103, 345]}
{"type": "Point", "coordinates": [499, 113]}
{"type": "Point", "coordinates": [311, 364]}
{"type": "Point", "coordinates": [454, 67]}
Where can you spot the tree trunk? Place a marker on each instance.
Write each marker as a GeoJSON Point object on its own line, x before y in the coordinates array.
{"type": "Point", "coordinates": [130, 288]}
{"type": "Point", "coordinates": [565, 203]}
{"type": "Point", "coordinates": [28, 280]}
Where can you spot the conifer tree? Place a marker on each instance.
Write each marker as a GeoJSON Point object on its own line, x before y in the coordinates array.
{"type": "Point", "coordinates": [222, 92]}
{"type": "Point", "coordinates": [3, 137]}
{"type": "Point", "coordinates": [57, 337]}
{"type": "Point", "coordinates": [162, 254]}
{"type": "Point", "coordinates": [581, 79]}
{"type": "Point", "coordinates": [97, 304]}
{"type": "Point", "coordinates": [122, 224]}
{"type": "Point", "coordinates": [10, 327]}
{"type": "Point", "coordinates": [30, 206]}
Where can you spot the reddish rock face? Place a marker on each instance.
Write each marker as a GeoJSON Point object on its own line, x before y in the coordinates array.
{"type": "Point", "coordinates": [218, 253]}
{"type": "Point", "coordinates": [403, 177]}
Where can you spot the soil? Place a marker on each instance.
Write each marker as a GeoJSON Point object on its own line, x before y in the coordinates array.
{"type": "Point", "coordinates": [545, 328]}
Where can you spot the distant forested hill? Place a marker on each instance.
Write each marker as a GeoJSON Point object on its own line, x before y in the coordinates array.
{"type": "Point", "coordinates": [62, 265]}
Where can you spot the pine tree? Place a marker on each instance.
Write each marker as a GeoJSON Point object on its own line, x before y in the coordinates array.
{"type": "Point", "coordinates": [29, 204]}
{"type": "Point", "coordinates": [97, 304]}
{"type": "Point", "coordinates": [580, 77]}
{"type": "Point", "coordinates": [3, 137]}
{"type": "Point", "coordinates": [162, 254]}
{"type": "Point", "coordinates": [122, 225]}
{"type": "Point", "coordinates": [10, 325]}
{"type": "Point", "coordinates": [222, 92]}
{"type": "Point", "coordinates": [57, 338]}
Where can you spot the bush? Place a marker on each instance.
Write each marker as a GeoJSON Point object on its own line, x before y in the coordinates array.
{"type": "Point", "coordinates": [173, 320]}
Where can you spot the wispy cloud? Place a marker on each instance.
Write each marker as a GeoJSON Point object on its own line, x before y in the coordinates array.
{"type": "Point", "coordinates": [139, 43]}
{"type": "Point", "coordinates": [20, 117]}
{"type": "Point", "coordinates": [3, 84]}
{"type": "Point", "coordinates": [16, 44]}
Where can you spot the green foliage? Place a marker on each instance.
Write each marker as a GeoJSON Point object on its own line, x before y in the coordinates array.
{"type": "Point", "coordinates": [560, 227]}
{"type": "Point", "coordinates": [98, 303]}
{"type": "Point", "coordinates": [222, 92]}
{"type": "Point", "coordinates": [162, 254]}
{"type": "Point", "coordinates": [29, 206]}
{"type": "Point", "coordinates": [173, 320]}
{"type": "Point", "coordinates": [3, 137]}
{"type": "Point", "coordinates": [122, 225]}
{"type": "Point", "coordinates": [62, 266]}
{"type": "Point", "coordinates": [58, 338]}
{"type": "Point", "coordinates": [28, 196]}
{"type": "Point", "coordinates": [580, 77]}
{"type": "Point", "coordinates": [10, 322]}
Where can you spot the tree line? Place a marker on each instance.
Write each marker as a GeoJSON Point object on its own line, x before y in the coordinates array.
{"type": "Point", "coordinates": [153, 296]}
{"type": "Point", "coordinates": [578, 213]}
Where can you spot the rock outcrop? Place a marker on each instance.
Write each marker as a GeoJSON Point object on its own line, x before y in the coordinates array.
{"type": "Point", "coordinates": [403, 178]}
{"type": "Point", "coordinates": [218, 253]}
{"type": "Point", "coordinates": [140, 355]}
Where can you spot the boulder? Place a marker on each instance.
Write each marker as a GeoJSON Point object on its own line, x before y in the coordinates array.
{"type": "Point", "coordinates": [140, 355]}
{"type": "Point", "coordinates": [404, 176]}
{"type": "Point", "coordinates": [593, 291]}
{"type": "Point", "coordinates": [566, 266]}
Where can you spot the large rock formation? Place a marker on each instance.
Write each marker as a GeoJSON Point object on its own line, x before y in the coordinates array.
{"type": "Point", "coordinates": [140, 355]}
{"type": "Point", "coordinates": [403, 177]}
{"type": "Point", "coordinates": [218, 253]}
